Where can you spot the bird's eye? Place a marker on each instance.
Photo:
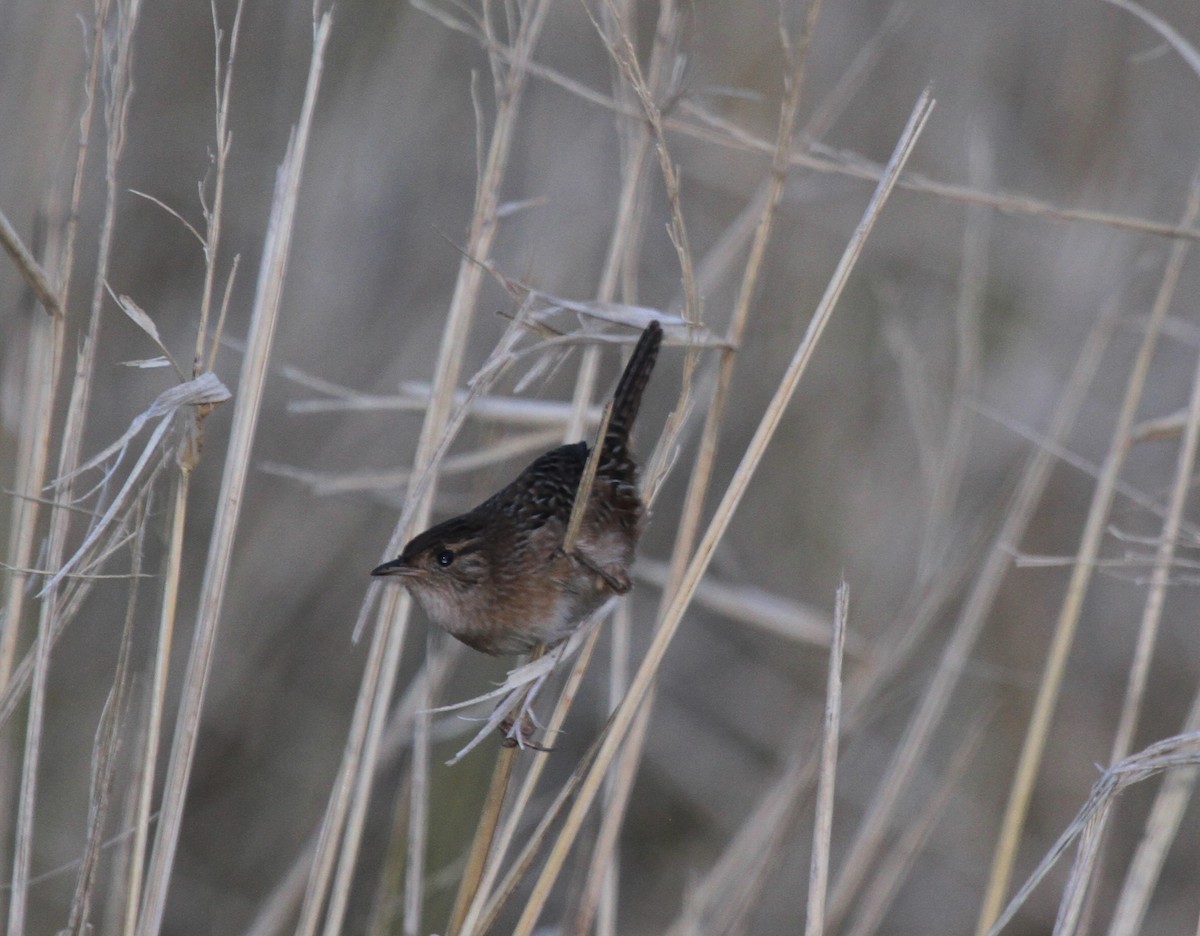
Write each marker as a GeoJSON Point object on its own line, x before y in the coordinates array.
{"type": "Point", "coordinates": [445, 557]}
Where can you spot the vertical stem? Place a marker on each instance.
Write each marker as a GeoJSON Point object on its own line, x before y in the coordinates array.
{"type": "Point", "coordinates": [1081, 576]}
{"type": "Point", "coordinates": [818, 878]}
{"type": "Point", "coordinates": [157, 702]}
{"type": "Point", "coordinates": [246, 410]}
{"type": "Point", "coordinates": [485, 832]}
{"type": "Point", "coordinates": [116, 113]}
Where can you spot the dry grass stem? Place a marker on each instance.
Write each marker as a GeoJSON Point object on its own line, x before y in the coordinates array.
{"type": "Point", "coordinates": [1061, 453]}
{"type": "Point", "coordinates": [488, 897]}
{"type": "Point", "coordinates": [873, 907]}
{"type": "Point", "coordinates": [687, 168]}
{"type": "Point", "coordinates": [1174, 753]}
{"type": "Point", "coordinates": [707, 128]}
{"type": "Point", "coordinates": [279, 908]}
{"type": "Point", "coordinates": [158, 690]}
{"type": "Point", "coordinates": [701, 475]}
{"type": "Point", "coordinates": [481, 845]}
{"type": "Point", "coordinates": [33, 453]}
{"type": "Point", "coordinates": [387, 907]}
{"type": "Point", "coordinates": [104, 759]}
{"type": "Point", "coordinates": [1139, 675]}
{"type": "Point", "coordinates": [624, 55]}
{"type": "Point", "coordinates": [437, 431]}
{"type": "Point", "coordinates": [598, 899]}
{"type": "Point", "coordinates": [627, 228]}
{"type": "Point", "coordinates": [910, 751]}
{"type": "Point", "coordinates": [968, 311]}
{"type": "Point", "coordinates": [1135, 689]}
{"type": "Point", "coordinates": [1160, 830]}
{"type": "Point", "coordinates": [818, 875]}
{"type": "Point", "coordinates": [118, 90]}
{"type": "Point", "coordinates": [620, 785]}
{"type": "Point", "coordinates": [714, 904]}
{"type": "Point", "coordinates": [31, 271]}
{"type": "Point", "coordinates": [492, 409]}
{"type": "Point", "coordinates": [325, 484]}
{"type": "Point", "coordinates": [205, 390]}
{"type": "Point", "coordinates": [586, 480]}
{"type": "Point", "coordinates": [75, 589]}
{"type": "Point", "coordinates": [522, 862]}
{"type": "Point", "coordinates": [418, 822]}
{"type": "Point", "coordinates": [918, 395]}
{"type": "Point", "coordinates": [91, 94]}
{"type": "Point", "coordinates": [222, 85]}
{"type": "Point", "coordinates": [225, 524]}
{"type": "Point", "coordinates": [1068, 618]}
{"type": "Point", "coordinates": [673, 614]}
{"type": "Point", "coordinates": [353, 789]}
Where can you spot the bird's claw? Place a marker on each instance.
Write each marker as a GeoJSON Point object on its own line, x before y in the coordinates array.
{"type": "Point", "coordinates": [517, 732]}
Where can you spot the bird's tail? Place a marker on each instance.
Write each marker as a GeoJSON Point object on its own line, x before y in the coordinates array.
{"type": "Point", "coordinates": [628, 396]}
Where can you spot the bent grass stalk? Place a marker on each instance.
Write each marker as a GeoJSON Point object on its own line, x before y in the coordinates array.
{"type": "Point", "coordinates": [671, 618]}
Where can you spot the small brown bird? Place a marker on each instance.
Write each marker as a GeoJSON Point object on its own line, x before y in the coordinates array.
{"type": "Point", "coordinates": [497, 577]}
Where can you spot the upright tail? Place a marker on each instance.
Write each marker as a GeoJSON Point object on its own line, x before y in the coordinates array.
{"type": "Point", "coordinates": [628, 396]}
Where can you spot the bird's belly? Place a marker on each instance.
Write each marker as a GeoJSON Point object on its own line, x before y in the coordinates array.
{"type": "Point", "coordinates": [524, 611]}
{"type": "Point", "coordinates": [546, 615]}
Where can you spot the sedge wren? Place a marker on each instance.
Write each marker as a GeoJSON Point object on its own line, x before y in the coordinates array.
{"type": "Point", "coordinates": [498, 578]}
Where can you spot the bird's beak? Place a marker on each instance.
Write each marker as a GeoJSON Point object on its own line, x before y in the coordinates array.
{"type": "Point", "coordinates": [395, 567]}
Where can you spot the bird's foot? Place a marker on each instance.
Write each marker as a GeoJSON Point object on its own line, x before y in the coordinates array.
{"type": "Point", "coordinates": [518, 726]}
{"type": "Point", "coordinates": [518, 733]}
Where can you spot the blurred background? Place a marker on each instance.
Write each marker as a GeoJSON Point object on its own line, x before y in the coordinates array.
{"type": "Point", "coordinates": [943, 364]}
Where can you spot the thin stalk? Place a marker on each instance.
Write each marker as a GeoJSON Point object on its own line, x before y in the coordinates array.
{"type": "Point", "coordinates": [1158, 834]}
{"type": "Point", "coordinates": [620, 722]}
{"type": "Point", "coordinates": [436, 432]}
{"type": "Point", "coordinates": [691, 121]}
{"type": "Point", "coordinates": [339, 893]}
{"type": "Point", "coordinates": [485, 833]}
{"type": "Point", "coordinates": [157, 702]}
{"type": "Point", "coordinates": [213, 216]}
{"type": "Point", "coordinates": [104, 760]}
{"type": "Point", "coordinates": [43, 358]}
{"type": "Point", "coordinates": [418, 825]}
{"type": "Point", "coordinates": [488, 898]}
{"type": "Point", "coordinates": [1156, 596]}
{"type": "Point", "coordinates": [818, 875]}
{"type": "Point", "coordinates": [968, 313]}
{"type": "Point", "coordinates": [36, 278]}
{"type": "Point", "coordinates": [617, 794]}
{"type": "Point", "coordinates": [701, 474]}
{"type": "Point", "coordinates": [116, 113]}
{"type": "Point", "coordinates": [1081, 575]}
{"type": "Point", "coordinates": [523, 861]}
{"type": "Point", "coordinates": [622, 52]}
{"type": "Point", "coordinates": [1181, 751]}
{"type": "Point", "coordinates": [278, 910]}
{"type": "Point", "coordinates": [247, 406]}
{"type": "Point", "coordinates": [623, 253]}
{"type": "Point", "coordinates": [886, 883]}
{"type": "Point", "coordinates": [910, 752]}
{"type": "Point", "coordinates": [602, 869]}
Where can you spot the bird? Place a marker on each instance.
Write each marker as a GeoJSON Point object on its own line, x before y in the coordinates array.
{"type": "Point", "coordinates": [498, 577]}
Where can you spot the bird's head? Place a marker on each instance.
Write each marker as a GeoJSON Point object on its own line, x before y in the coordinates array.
{"type": "Point", "coordinates": [447, 570]}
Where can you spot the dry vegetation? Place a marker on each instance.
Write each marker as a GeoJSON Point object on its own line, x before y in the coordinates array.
{"type": "Point", "coordinates": [934, 345]}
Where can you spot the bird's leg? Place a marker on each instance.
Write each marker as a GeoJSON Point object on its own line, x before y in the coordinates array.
{"type": "Point", "coordinates": [615, 577]}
